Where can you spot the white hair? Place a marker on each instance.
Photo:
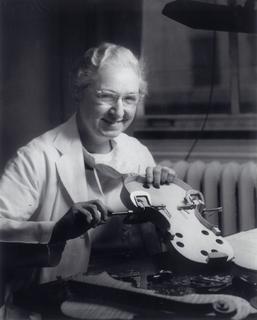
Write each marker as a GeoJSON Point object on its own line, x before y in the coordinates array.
{"type": "Point", "coordinates": [107, 54]}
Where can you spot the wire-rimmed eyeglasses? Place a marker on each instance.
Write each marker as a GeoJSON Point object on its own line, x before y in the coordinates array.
{"type": "Point", "coordinates": [111, 97]}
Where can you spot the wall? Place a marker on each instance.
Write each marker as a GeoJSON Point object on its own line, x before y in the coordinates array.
{"type": "Point", "coordinates": [30, 90]}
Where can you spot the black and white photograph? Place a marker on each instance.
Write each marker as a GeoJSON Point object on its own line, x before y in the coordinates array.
{"type": "Point", "coordinates": [128, 159]}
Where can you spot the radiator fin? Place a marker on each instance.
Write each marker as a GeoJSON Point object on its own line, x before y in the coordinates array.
{"type": "Point", "coordinates": [229, 198]}
{"type": "Point", "coordinates": [247, 195]}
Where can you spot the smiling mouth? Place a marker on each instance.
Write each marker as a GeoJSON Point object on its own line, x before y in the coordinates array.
{"type": "Point", "coordinates": [114, 121]}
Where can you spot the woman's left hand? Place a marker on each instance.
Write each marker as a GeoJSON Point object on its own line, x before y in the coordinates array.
{"type": "Point", "coordinates": [159, 175]}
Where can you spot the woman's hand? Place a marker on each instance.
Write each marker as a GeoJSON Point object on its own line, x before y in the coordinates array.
{"type": "Point", "coordinates": [159, 175]}
{"type": "Point", "coordinates": [81, 217]}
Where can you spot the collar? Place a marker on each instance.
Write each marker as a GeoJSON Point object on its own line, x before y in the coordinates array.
{"type": "Point", "coordinates": [70, 165]}
{"type": "Point", "coordinates": [67, 138]}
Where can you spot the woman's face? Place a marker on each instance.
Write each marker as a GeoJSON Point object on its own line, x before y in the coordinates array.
{"type": "Point", "coordinates": [109, 105]}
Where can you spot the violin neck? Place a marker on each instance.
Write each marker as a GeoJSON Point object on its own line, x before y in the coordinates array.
{"type": "Point", "coordinates": [129, 296]}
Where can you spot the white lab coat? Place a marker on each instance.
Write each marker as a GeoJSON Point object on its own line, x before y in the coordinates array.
{"type": "Point", "coordinates": [41, 183]}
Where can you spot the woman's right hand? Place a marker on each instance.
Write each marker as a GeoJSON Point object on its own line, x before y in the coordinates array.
{"type": "Point", "coordinates": [81, 217]}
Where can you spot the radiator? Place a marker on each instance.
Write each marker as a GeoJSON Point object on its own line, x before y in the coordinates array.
{"type": "Point", "coordinates": [229, 185]}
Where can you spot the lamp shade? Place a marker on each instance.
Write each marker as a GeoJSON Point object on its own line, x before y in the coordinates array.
{"type": "Point", "coordinates": [207, 16]}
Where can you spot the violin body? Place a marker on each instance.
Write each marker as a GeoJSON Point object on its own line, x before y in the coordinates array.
{"type": "Point", "coordinates": [182, 208]}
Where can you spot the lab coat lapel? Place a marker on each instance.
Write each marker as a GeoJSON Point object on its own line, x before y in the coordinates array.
{"type": "Point", "coordinates": [70, 165]}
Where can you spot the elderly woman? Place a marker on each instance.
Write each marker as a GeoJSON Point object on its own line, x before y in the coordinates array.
{"type": "Point", "coordinates": [63, 184]}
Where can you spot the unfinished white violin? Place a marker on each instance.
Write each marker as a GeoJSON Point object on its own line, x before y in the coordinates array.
{"type": "Point", "coordinates": [183, 209]}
